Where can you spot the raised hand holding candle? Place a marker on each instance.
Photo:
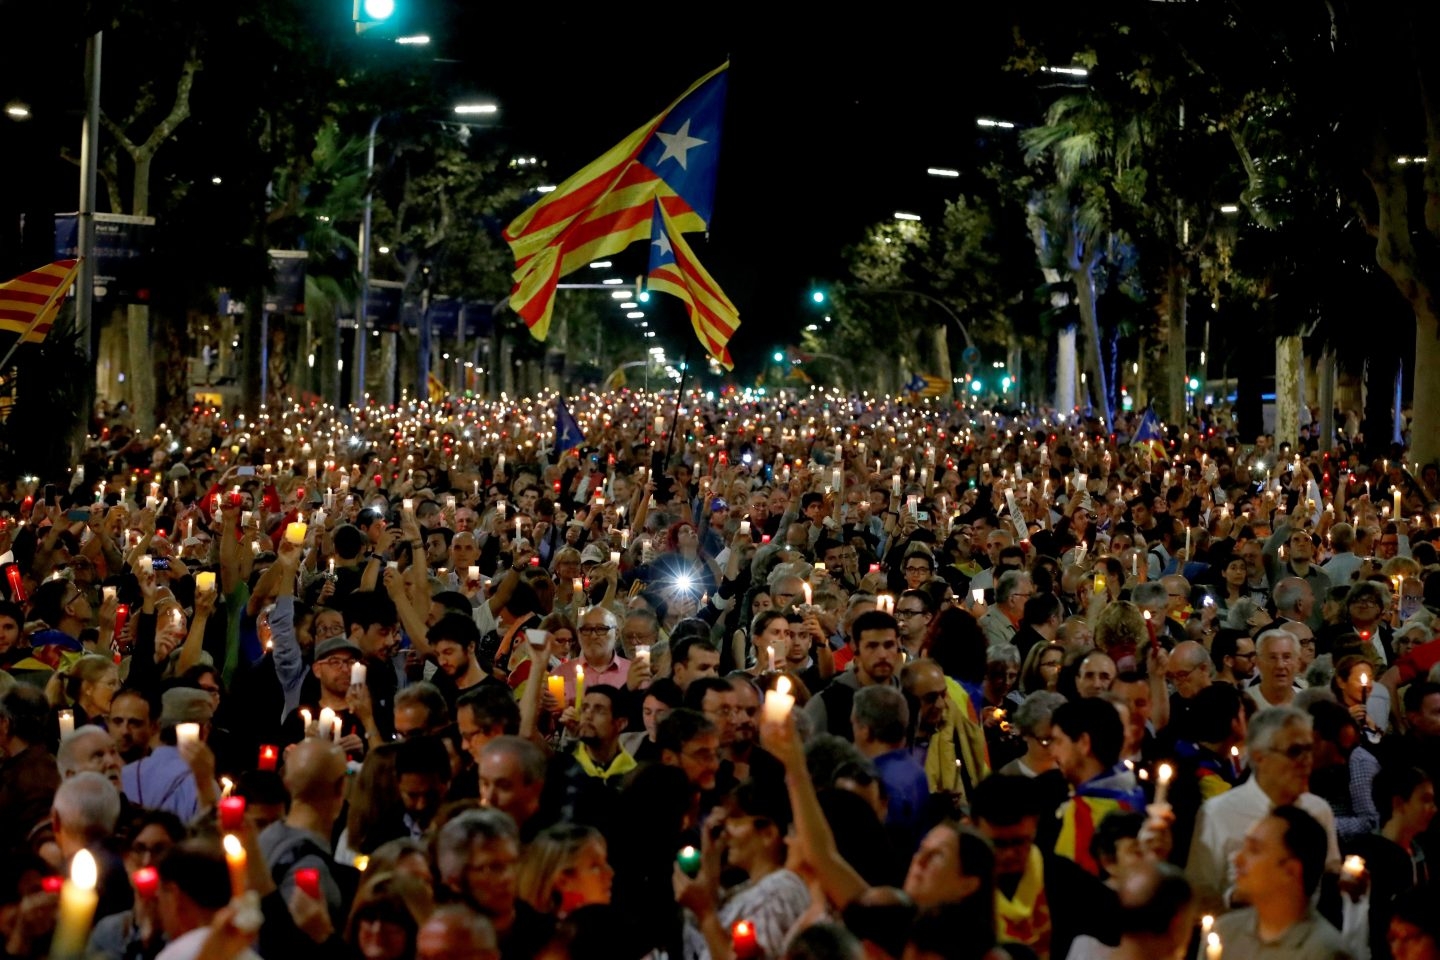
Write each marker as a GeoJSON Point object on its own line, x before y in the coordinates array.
{"type": "Point", "coordinates": [78, 898]}
{"type": "Point", "coordinates": [689, 861]}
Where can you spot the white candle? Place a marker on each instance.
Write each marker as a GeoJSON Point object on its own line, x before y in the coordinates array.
{"type": "Point", "coordinates": [615, 556]}
{"type": "Point", "coordinates": [1354, 866]}
{"type": "Point", "coordinates": [779, 702]}
{"type": "Point", "coordinates": [744, 528]}
{"type": "Point", "coordinates": [499, 467]}
{"type": "Point", "coordinates": [307, 718]}
{"type": "Point", "coordinates": [472, 573]}
{"type": "Point", "coordinates": [357, 673]}
{"type": "Point", "coordinates": [885, 603]}
{"type": "Point", "coordinates": [67, 723]}
{"type": "Point", "coordinates": [1162, 783]}
{"type": "Point", "coordinates": [660, 424]}
{"type": "Point", "coordinates": [335, 726]}
{"type": "Point", "coordinates": [327, 721]}
{"type": "Point", "coordinates": [1212, 946]}
{"type": "Point", "coordinates": [895, 485]}
{"type": "Point", "coordinates": [78, 899]}
{"type": "Point", "coordinates": [517, 528]}
{"type": "Point", "coordinates": [805, 587]}
{"type": "Point", "coordinates": [186, 733]}
{"type": "Point", "coordinates": [310, 469]}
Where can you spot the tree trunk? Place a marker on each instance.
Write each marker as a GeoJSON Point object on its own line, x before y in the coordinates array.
{"type": "Point", "coordinates": [1176, 372]}
{"type": "Point", "coordinates": [1065, 372]}
{"type": "Point", "coordinates": [1425, 404]}
{"type": "Point", "coordinates": [1325, 374]}
{"type": "Point", "coordinates": [1084, 279]}
{"type": "Point", "coordinates": [940, 347]}
{"type": "Point", "coordinates": [1288, 358]}
{"type": "Point", "coordinates": [141, 373]}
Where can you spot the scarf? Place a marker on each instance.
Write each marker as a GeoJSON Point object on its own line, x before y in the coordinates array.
{"type": "Point", "coordinates": [1025, 917]}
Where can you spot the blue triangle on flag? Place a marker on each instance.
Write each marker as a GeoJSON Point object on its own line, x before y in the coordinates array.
{"type": "Point", "coordinates": [568, 434]}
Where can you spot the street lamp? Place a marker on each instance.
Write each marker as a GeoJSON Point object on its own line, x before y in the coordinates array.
{"type": "Point", "coordinates": [909, 217]}
{"type": "Point", "coordinates": [16, 110]}
{"type": "Point", "coordinates": [469, 109]}
{"type": "Point", "coordinates": [942, 172]}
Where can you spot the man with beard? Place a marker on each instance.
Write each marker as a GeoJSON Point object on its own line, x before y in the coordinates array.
{"type": "Point", "coordinates": [1233, 653]}
{"type": "Point", "coordinates": [134, 722]}
{"type": "Point", "coordinates": [875, 640]}
{"type": "Point", "coordinates": [455, 639]}
{"type": "Point", "coordinates": [372, 624]}
{"type": "Point", "coordinates": [602, 720]}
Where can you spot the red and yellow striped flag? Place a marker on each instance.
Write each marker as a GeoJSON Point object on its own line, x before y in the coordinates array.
{"type": "Point", "coordinates": [597, 212]}
{"type": "Point", "coordinates": [712, 314]}
{"type": "Point", "coordinates": [30, 302]}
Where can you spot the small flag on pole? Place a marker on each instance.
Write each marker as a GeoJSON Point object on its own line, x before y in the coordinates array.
{"type": "Point", "coordinates": [30, 302]}
{"type": "Point", "coordinates": [568, 434]}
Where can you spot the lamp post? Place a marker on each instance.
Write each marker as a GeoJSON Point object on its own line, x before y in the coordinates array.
{"type": "Point", "coordinates": [358, 365]}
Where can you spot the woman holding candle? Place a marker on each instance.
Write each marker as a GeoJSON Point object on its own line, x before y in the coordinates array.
{"type": "Point", "coordinates": [1353, 684]}
{"type": "Point", "coordinates": [748, 836]}
{"type": "Point", "coordinates": [565, 867]}
{"type": "Point", "coordinates": [89, 685]}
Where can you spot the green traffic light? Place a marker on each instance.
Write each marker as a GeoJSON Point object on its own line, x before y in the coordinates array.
{"type": "Point", "coordinates": [976, 386]}
{"type": "Point", "coordinates": [1194, 384]}
{"type": "Point", "coordinates": [779, 357]}
{"type": "Point", "coordinates": [818, 296]}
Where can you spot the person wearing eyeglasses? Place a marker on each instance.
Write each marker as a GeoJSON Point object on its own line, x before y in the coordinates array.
{"type": "Point", "coordinates": [915, 610]}
{"type": "Point", "coordinates": [598, 630]}
{"type": "Point", "coordinates": [1280, 745]}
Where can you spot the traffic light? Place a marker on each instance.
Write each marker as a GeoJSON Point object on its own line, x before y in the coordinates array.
{"type": "Point", "coordinates": [1193, 383]}
{"type": "Point", "coordinates": [372, 13]}
{"type": "Point", "coordinates": [818, 296]}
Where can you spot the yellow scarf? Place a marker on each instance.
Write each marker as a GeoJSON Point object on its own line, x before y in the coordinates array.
{"type": "Point", "coordinates": [1017, 920]}
{"type": "Point", "coordinates": [621, 765]}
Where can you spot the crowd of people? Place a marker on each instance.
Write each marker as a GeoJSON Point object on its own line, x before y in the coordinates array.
{"type": "Point", "coordinates": [791, 675]}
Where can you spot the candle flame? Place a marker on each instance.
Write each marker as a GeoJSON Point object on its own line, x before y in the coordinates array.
{"type": "Point", "coordinates": [1165, 772]}
{"type": "Point", "coordinates": [782, 685]}
{"type": "Point", "coordinates": [233, 847]}
{"type": "Point", "coordinates": [83, 872]}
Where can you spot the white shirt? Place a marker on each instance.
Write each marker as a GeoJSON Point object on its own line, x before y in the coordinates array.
{"type": "Point", "coordinates": [1220, 831]}
{"type": "Point", "coordinates": [187, 947]}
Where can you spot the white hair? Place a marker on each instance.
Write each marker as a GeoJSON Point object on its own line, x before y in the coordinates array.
{"type": "Point", "coordinates": [87, 805]}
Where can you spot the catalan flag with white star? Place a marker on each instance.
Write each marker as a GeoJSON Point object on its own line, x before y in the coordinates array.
{"type": "Point", "coordinates": [658, 183]}
{"type": "Point", "coordinates": [30, 302]}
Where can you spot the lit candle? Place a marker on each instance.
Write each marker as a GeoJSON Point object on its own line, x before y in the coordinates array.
{"type": "Point", "coordinates": [689, 861]}
{"type": "Point", "coordinates": [1212, 946]}
{"type": "Point", "coordinates": [1162, 784]}
{"type": "Point", "coordinates": [235, 860]}
{"type": "Point", "coordinates": [186, 733]}
{"type": "Point", "coordinates": [805, 588]}
{"type": "Point", "coordinates": [743, 940]}
{"type": "Point", "coordinates": [615, 557]}
{"type": "Point", "coordinates": [744, 528]}
{"type": "Point", "coordinates": [579, 685]}
{"type": "Point", "coordinates": [327, 721]}
{"type": "Point", "coordinates": [295, 532]}
{"type": "Point", "coordinates": [1397, 502]}
{"type": "Point", "coordinates": [232, 813]}
{"type": "Point", "coordinates": [1207, 923]}
{"type": "Point", "coordinates": [895, 485]}
{"type": "Point", "coordinates": [555, 685]}
{"type": "Point", "coordinates": [779, 702]}
{"type": "Point", "coordinates": [78, 898]}
{"type": "Point", "coordinates": [1354, 866]}
{"type": "Point", "coordinates": [472, 574]}
{"type": "Point", "coordinates": [67, 723]}
{"type": "Point", "coordinates": [577, 588]}
{"type": "Point", "coordinates": [885, 603]}
{"type": "Point", "coordinates": [205, 581]}
{"type": "Point", "coordinates": [307, 880]}
{"type": "Point", "coordinates": [146, 882]}
{"type": "Point", "coordinates": [517, 528]}
{"type": "Point", "coordinates": [336, 727]}
{"type": "Point", "coordinates": [268, 756]}
{"type": "Point", "coordinates": [357, 673]}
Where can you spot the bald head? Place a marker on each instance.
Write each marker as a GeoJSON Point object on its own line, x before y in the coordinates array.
{"type": "Point", "coordinates": [455, 933]}
{"type": "Point", "coordinates": [1188, 655]}
{"type": "Point", "coordinates": [315, 772]}
{"type": "Point", "coordinates": [1156, 908]}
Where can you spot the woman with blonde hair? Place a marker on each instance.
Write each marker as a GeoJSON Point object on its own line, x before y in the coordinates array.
{"type": "Point", "coordinates": [565, 868]}
{"type": "Point", "coordinates": [1120, 631]}
{"type": "Point", "coordinates": [87, 686]}
{"type": "Point", "coordinates": [387, 915]}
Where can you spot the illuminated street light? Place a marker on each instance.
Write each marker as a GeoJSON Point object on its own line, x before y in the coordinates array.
{"type": "Point", "coordinates": [911, 217]}
{"type": "Point", "coordinates": [1229, 208]}
{"type": "Point", "coordinates": [599, 264]}
{"type": "Point", "coordinates": [548, 188]}
{"type": "Point", "coordinates": [942, 172]}
{"type": "Point", "coordinates": [629, 306]}
{"type": "Point", "coordinates": [987, 122]}
{"type": "Point", "coordinates": [620, 294]}
{"type": "Point", "coordinates": [215, 180]}
{"type": "Point", "coordinates": [468, 109]}
{"type": "Point", "coordinates": [16, 110]}
{"type": "Point", "coordinates": [383, 249]}
{"type": "Point", "coordinates": [612, 282]}
{"type": "Point", "coordinates": [635, 315]}
{"type": "Point", "coordinates": [779, 357]}
{"type": "Point", "coordinates": [419, 40]}
{"type": "Point", "coordinates": [1072, 71]}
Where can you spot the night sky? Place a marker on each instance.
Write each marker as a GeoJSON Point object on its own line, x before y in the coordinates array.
{"type": "Point", "coordinates": [831, 121]}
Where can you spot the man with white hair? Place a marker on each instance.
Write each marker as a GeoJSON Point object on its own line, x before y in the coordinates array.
{"type": "Point", "coordinates": [83, 816]}
{"type": "Point", "coordinates": [1277, 654]}
{"type": "Point", "coordinates": [1279, 743]}
{"type": "Point", "coordinates": [1002, 620]}
{"type": "Point", "coordinates": [89, 750]}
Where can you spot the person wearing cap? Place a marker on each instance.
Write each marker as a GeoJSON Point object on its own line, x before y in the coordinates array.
{"type": "Point", "coordinates": [332, 668]}
{"type": "Point", "coordinates": [589, 557]}
{"type": "Point", "coordinates": [166, 780]}
{"type": "Point", "coordinates": [712, 526]}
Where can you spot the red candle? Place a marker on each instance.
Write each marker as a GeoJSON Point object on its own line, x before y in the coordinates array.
{"type": "Point", "coordinates": [268, 756]}
{"type": "Point", "coordinates": [17, 585]}
{"type": "Point", "coordinates": [742, 939]}
{"type": "Point", "coordinates": [52, 884]}
{"type": "Point", "coordinates": [232, 813]}
{"type": "Point", "coordinates": [308, 880]}
{"type": "Point", "coordinates": [146, 881]}
{"type": "Point", "coordinates": [122, 614]}
{"type": "Point", "coordinates": [765, 538]}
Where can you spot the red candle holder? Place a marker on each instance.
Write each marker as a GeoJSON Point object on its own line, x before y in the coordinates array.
{"type": "Point", "coordinates": [16, 581]}
{"type": "Point", "coordinates": [232, 813]}
{"type": "Point", "coordinates": [269, 755]}
{"type": "Point", "coordinates": [743, 940]}
{"type": "Point", "coordinates": [146, 882]}
{"type": "Point", "coordinates": [308, 880]}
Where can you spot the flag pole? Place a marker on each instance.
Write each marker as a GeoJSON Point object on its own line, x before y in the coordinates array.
{"type": "Point", "coordinates": [49, 302]}
{"type": "Point", "coordinates": [679, 395]}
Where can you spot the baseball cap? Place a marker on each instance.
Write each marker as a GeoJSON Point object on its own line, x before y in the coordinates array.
{"type": "Point", "coordinates": [718, 504]}
{"type": "Point", "coordinates": [185, 705]}
{"type": "Point", "coordinates": [334, 645]}
{"type": "Point", "coordinates": [591, 554]}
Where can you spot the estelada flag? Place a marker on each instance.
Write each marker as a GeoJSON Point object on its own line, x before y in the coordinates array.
{"type": "Point", "coordinates": [30, 302]}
